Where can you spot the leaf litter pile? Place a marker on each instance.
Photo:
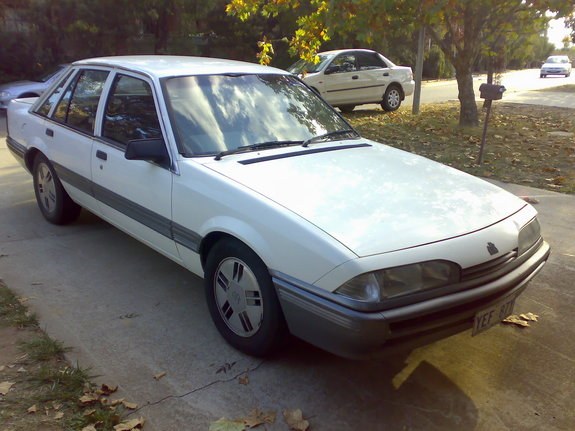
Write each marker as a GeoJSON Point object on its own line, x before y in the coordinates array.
{"type": "Point", "coordinates": [526, 144]}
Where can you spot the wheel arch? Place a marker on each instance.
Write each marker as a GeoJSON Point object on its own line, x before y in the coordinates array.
{"type": "Point", "coordinates": [241, 232]}
{"type": "Point", "coordinates": [30, 156]}
{"type": "Point", "coordinates": [28, 94]}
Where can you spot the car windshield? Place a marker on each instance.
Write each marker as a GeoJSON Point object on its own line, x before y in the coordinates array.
{"type": "Point", "coordinates": [557, 60]}
{"type": "Point", "coordinates": [216, 113]}
{"type": "Point", "coordinates": [303, 66]}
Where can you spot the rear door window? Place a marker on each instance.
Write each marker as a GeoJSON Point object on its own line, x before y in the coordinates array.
{"type": "Point", "coordinates": [78, 106]}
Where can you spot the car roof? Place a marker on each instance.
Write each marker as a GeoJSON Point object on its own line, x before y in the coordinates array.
{"type": "Point", "coordinates": [340, 51]}
{"type": "Point", "coordinates": [171, 65]}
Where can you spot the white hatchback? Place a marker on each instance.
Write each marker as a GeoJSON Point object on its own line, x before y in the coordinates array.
{"type": "Point", "coordinates": [350, 77]}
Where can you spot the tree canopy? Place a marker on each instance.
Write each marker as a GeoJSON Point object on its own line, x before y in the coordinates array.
{"type": "Point", "coordinates": [463, 29]}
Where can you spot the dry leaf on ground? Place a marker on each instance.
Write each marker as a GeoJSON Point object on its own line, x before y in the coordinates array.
{"type": "Point", "coordinates": [258, 417]}
{"type": "Point", "coordinates": [295, 420]}
{"type": "Point", "coordinates": [130, 406]}
{"type": "Point", "coordinates": [224, 424]}
{"type": "Point", "coordinates": [133, 424]}
{"type": "Point", "coordinates": [89, 398]}
{"type": "Point", "coordinates": [107, 389]}
{"type": "Point", "coordinates": [59, 415]}
{"type": "Point", "coordinates": [515, 320]}
{"type": "Point", "coordinates": [529, 316]}
{"type": "Point", "coordinates": [5, 387]}
{"type": "Point", "coordinates": [160, 375]}
{"type": "Point", "coordinates": [89, 428]}
{"type": "Point", "coordinates": [243, 380]}
{"type": "Point", "coordinates": [32, 409]}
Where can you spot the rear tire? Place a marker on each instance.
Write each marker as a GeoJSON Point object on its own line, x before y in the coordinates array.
{"type": "Point", "coordinates": [242, 299]}
{"type": "Point", "coordinates": [542, 76]}
{"type": "Point", "coordinates": [54, 203]}
{"type": "Point", "coordinates": [392, 98]}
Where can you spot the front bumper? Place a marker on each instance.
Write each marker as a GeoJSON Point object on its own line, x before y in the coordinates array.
{"type": "Point", "coordinates": [554, 71]}
{"type": "Point", "coordinates": [359, 335]}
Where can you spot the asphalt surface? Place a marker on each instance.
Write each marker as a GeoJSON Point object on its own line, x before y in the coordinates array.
{"type": "Point", "coordinates": [129, 313]}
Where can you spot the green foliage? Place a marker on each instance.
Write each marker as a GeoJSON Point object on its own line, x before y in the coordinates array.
{"type": "Point", "coordinates": [43, 348]}
{"type": "Point", "coordinates": [12, 311]}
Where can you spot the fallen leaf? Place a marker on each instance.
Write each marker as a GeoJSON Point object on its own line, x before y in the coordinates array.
{"type": "Point", "coordinates": [21, 370]}
{"type": "Point", "coordinates": [515, 320]}
{"type": "Point", "coordinates": [59, 415]}
{"type": "Point", "coordinates": [108, 389]}
{"type": "Point", "coordinates": [89, 428]}
{"type": "Point", "coordinates": [2, 368]}
{"type": "Point", "coordinates": [295, 420]}
{"type": "Point", "coordinates": [130, 425]}
{"type": "Point", "coordinates": [224, 424]}
{"type": "Point", "coordinates": [32, 409]}
{"type": "Point", "coordinates": [257, 417]}
{"type": "Point", "coordinates": [56, 406]}
{"type": "Point", "coordinates": [89, 412]}
{"type": "Point", "coordinates": [160, 375]}
{"type": "Point", "coordinates": [5, 387]}
{"type": "Point", "coordinates": [529, 316]}
{"type": "Point", "coordinates": [243, 380]}
{"type": "Point", "coordinates": [530, 200]}
{"type": "Point", "coordinates": [116, 402]}
{"type": "Point", "coordinates": [128, 405]}
{"type": "Point", "coordinates": [89, 398]}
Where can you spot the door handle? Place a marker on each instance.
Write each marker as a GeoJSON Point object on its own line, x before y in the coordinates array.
{"type": "Point", "coordinates": [385, 73]}
{"type": "Point", "coordinates": [355, 77]}
{"type": "Point", "coordinates": [50, 132]}
{"type": "Point", "coordinates": [101, 155]}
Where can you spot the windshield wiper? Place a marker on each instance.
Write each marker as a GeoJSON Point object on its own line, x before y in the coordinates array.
{"type": "Point", "coordinates": [330, 135]}
{"type": "Point", "coordinates": [255, 147]}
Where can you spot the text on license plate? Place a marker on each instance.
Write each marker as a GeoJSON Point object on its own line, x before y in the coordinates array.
{"type": "Point", "coordinates": [489, 317]}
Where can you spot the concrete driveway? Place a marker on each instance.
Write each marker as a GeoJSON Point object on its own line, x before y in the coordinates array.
{"type": "Point", "coordinates": [130, 313]}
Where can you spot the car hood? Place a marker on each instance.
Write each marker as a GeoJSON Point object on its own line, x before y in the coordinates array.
{"type": "Point", "coordinates": [374, 198]}
{"type": "Point", "coordinates": [557, 65]}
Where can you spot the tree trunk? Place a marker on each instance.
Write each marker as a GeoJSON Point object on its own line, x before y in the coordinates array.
{"type": "Point", "coordinates": [468, 108]}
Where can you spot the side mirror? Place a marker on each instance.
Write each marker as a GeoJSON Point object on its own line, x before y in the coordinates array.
{"type": "Point", "coordinates": [152, 150]}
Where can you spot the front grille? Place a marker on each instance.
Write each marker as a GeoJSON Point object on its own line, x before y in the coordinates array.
{"type": "Point", "coordinates": [489, 267]}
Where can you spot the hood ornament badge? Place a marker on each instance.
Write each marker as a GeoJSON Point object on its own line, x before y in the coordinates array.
{"type": "Point", "coordinates": [492, 249]}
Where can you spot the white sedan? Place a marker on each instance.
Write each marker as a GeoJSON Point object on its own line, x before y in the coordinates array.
{"type": "Point", "coordinates": [246, 177]}
{"type": "Point", "coordinates": [349, 77]}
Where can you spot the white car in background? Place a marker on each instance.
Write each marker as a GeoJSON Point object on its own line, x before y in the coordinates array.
{"type": "Point", "coordinates": [246, 177]}
{"type": "Point", "coordinates": [34, 88]}
{"type": "Point", "coordinates": [556, 65]}
{"type": "Point", "coordinates": [350, 77]}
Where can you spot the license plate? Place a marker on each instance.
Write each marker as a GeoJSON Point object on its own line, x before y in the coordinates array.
{"type": "Point", "coordinates": [491, 316]}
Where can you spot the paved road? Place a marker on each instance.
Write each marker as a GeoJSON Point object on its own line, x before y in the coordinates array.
{"type": "Point", "coordinates": [130, 313]}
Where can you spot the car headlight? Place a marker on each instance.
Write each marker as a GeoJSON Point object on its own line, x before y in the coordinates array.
{"type": "Point", "coordinates": [389, 283]}
{"type": "Point", "coordinates": [528, 235]}
{"type": "Point", "coordinates": [4, 94]}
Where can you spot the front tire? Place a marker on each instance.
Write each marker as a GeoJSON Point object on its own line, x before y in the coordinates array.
{"type": "Point", "coordinates": [242, 299]}
{"type": "Point", "coordinates": [346, 108]}
{"type": "Point", "coordinates": [54, 203]}
{"type": "Point", "coordinates": [392, 98]}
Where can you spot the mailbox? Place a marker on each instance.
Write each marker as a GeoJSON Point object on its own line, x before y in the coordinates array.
{"type": "Point", "coordinates": [491, 91]}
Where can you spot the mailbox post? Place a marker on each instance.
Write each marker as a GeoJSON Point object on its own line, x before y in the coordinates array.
{"type": "Point", "coordinates": [489, 92]}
